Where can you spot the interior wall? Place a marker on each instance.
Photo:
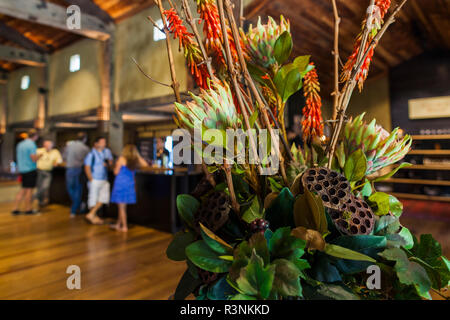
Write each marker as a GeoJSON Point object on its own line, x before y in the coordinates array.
{"type": "Point", "coordinates": [134, 38]}
{"type": "Point", "coordinates": [374, 100]}
{"type": "Point", "coordinates": [23, 104]}
{"type": "Point", "coordinates": [72, 92]}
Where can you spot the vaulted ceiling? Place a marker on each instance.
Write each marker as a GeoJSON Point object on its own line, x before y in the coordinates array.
{"type": "Point", "coordinates": [421, 25]}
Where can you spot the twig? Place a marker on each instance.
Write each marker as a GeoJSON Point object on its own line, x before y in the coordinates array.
{"type": "Point", "coordinates": [241, 14]}
{"type": "Point", "coordinates": [175, 84]}
{"type": "Point", "coordinates": [148, 76]}
{"type": "Point", "coordinates": [349, 86]}
{"type": "Point", "coordinates": [229, 179]}
{"type": "Point", "coordinates": [337, 20]}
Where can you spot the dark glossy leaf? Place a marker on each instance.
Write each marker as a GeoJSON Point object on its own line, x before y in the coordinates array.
{"type": "Point", "coordinates": [292, 83]}
{"type": "Point", "coordinates": [176, 249]}
{"type": "Point", "coordinates": [287, 278]}
{"type": "Point", "coordinates": [283, 47]}
{"type": "Point", "coordinates": [254, 211]}
{"type": "Point", "coordinates": [309, 212]}
{"type": "Point", "coordinates": [214, 242]}
{"type": "Point", "coordinates": [322, 270]}
{"type": "Point", "coordinates": [221, 290]}
{"type": "Point", "coordinates": [280, 212]}
{"type": "Point", "coordinates": [205, 258]}
{"type": "Point", "coordinates": [187, 206]}
{"type": "Point", "coordinates": [186, 286]}
{"type": "Point", "coordinates": [344, 253]}
{"type": "Point", "coordinates": [285, 246]}
{"type": "Point", "coordinates": [328, 291]}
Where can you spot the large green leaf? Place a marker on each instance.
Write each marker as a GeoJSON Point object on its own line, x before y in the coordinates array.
{"type": "Point", "coordinates": [279, 213]}
{"type": "Point", "coordinates": [390, 174]}
{"type": "Point", "coordinates": [328, 291]}
{"type": "Point", "coordinates": [187, 205]}
{"type": "Point", "coordinates": [344, 253]}
{"type": "Point", "coordinates": [309, 212]}
{"type": "Point", "coordinates": [205, 258]}
{"type": "Point", "coordinates": [186, 286]}
{"type": "Point", "coordinates": [395, 206]}
{"type": "Point", "coordinates": [287, 278]}
{"type": "Point", "coordinates": [176, 249]}
{"type": "Point", "coordinates": [409, 273]}
{"type": "Point", "coordinates": [355, 166]}
{"type": "Point", "coordinates": [253, 212]}
{"type": "Point", "coordinates": [283, 47]}
{"type": "Point", "coordinates": [380, 202]}
{"type": "Point", "coordinates": [256, 279]}
{"type": "Point", "coordinates": [285, 246]}
{"type": "Point", "coordinates": [288, 85]}
{"type": "Point", "coordinates": [214, 242]}
{"type": "Point", "coordinates": [220, 290]}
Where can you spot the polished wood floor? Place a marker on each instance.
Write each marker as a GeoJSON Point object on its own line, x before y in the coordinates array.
{"type": "Point", "coordinates": [35, 252]}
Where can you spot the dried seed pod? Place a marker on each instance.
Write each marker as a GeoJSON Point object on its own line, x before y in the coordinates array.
{"type": "Point", "coordinates": [213, 213]}
{"type": "Point", "coordinates": [206, 276]}
{"type": "Point", "coordinates": [355, 217]}
{"type": "Point", "coordinates": [332, 187]}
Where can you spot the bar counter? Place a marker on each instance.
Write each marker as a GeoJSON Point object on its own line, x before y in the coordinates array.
{"type": "Point", "coordinates": [156, 191]}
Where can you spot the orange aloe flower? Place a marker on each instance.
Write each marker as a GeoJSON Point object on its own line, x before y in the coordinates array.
{"type": "Point", "coordinates": [312, 115]}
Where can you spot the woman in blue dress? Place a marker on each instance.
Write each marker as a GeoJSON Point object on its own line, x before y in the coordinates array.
{"type": "Point", "coordinates": [124, 191]}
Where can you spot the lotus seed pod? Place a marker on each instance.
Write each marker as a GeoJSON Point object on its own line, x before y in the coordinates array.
{"type": "Point", "coordinates": [355, 217]}
{"type": "Point", "coordinates": [213, 213]}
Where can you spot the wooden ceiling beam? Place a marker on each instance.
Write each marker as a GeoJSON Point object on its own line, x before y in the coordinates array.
{"type": "Point", "coordinates": [49, 14]}
{"type": "Point", "coordinates": [11, 34]}
{"type": "Point", "coordinates": [22, 56]}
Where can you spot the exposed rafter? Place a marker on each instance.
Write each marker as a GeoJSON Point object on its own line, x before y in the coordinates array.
{"type": "Point", "coordinates": [11, 34]}
{"type": "Point", "coordinates": [49, 14]}
{"type": "Point", "coordinates": [22, 56]}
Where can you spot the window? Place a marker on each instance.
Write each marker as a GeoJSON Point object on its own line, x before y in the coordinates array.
{"type": "Point", "coordinates": [74, 64]}
{"type": "Point", "coordinates": [157, 34]}
{"type": "Point", "coordinates": [25, 82]}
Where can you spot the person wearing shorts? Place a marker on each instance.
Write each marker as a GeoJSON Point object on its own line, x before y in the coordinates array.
{"type": "Point", "coordinates": [26, 163]}
{"type": "Point", "coordinates": [96, 167]}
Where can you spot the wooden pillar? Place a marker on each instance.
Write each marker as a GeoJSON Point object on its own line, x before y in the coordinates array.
{"type": "Point", "coordinates": [7, 140]}
{"type": "Point", "coordinates": [109, 118]}
{"type": "Point", "coordinates": [41, 123]}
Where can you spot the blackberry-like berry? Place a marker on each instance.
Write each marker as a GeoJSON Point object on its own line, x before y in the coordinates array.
{"type": "Point", "coordinates": [259, 225]}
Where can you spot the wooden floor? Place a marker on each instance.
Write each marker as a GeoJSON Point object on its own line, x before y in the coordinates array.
{"type": "Point", "coordinates": [35, 252]}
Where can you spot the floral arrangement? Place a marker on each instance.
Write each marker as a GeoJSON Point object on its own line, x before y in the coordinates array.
{"type": "Point", "coordinates": [315, 228]}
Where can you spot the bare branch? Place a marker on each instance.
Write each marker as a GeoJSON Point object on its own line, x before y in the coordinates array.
{"type": "Point", "coordinates": [148, 76]}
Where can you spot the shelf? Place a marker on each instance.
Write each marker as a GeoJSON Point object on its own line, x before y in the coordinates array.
{"type": "Point", "coordinates": [420, 196]}
{"type": "Point", "coordinates": [418, 181]}
{"type": "Point", "coordinates": [431, 152]}
{"type": "Point", "coordinates": [431, 137]}
{"type": "Point", "coordinates": [427, 167]}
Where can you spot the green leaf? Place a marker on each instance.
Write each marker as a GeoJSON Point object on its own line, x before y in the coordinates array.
{"type": "Point", "coordinates": [409, 273]}
{"type": "Point", "coordinates": [274, 185]}
{"type": "Point", "coordinates": [366, 191]}
{"type": "Point", "coordinates": [407, 236]}
{"type": "Point", "coordinates": [287, 86]}
{"type": "Point", "coordinates": [309, 212]}
{"type": "Point", "coordinates": [255, 279]}
{"type": "Point", "coordinates": [205, 258]}
{"type": "Point", "coordinates": [340, 155]}
{"type": "Point", "coordinates": [344, 253]}
{"type": "Point", "coordinates": [187, 205]}
{"type": "Point", "coordinates": [356, 165]}
{"type": "Point", "coordinates": [253, 118]}
{"type": "Point", "coordinates": [283, 47]}
{"type": "Point", "coordinates": [390, 174]}
{"type": "Point", "coordinates": [241, 296]}
{"type": "Point", "coordinates": [220, 290]}
{"type": "Point", "coordinates": [214, 242]}
{"type": "Point", "coordinates": [176, 249]}
{"type": "Point", "coordinates": [285, 246]}
{"type": "Point", "coordinates": [253, 212]}
{"type": "Point", "coordinates": [328, 291]}
{"type": "Point", "coordinates": [279, 213]}
{"type": "Point", "coordinates": [287, 278]}
{"type": "Point", "coordinates": [381, 201]}
{"type": "Point", "coordinates": [395, 206]}
{"type": "Point", "coordinates": [186, 286]}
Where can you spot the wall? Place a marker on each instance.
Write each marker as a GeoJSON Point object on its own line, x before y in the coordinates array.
{"type": "Point", "coordinates": [72, 92]}
{"type": "Point", "coordinates": [23, 104]}
{"type": "Point", "coordinates": [134, 38]}
{"type": "Point", "coordinates": [425, 76]}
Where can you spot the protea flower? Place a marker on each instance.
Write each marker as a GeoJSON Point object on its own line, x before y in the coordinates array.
{"type": "Point", "coordinates": [312, 125]}
{"type": "Point", "coordinates": [213, 108]}
{"type": "Point", "coordinates": [380, 147]}
{"type": "Point", "coordinates": [260, 41]}
{"type": "Point", "coordinates": [378, 15]}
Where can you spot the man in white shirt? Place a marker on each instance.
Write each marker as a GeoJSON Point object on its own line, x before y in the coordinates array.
{"type": "Point", "coordinates": [49, 157]}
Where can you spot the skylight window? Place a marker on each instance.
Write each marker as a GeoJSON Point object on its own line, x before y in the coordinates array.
{"type": "Point", "coordinates": [157, 34]}
{"type": "Point", "coordinates": [25, 82]}
{"type": "Point", "coordinates": [74, 64]}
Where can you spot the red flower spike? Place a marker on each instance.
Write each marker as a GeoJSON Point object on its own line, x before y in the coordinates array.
{"type": "Point", "coordinates": [312, 115]}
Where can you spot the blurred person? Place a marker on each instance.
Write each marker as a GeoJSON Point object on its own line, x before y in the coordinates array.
{"type": "Point", "coordinates": [48, 158]}
{"type": "Point", "coordinates": [74, 155]}
{"type": "Point", "coordinates": [124, 190]}
{"type": "Point", "coordinates": [26, 165]}
{"type": "Point", "coordinates": [162, 154]}
{"type": "Point", "coordinates": [96, 166]}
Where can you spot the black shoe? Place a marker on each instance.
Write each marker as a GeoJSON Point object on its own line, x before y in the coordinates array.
{"type": "Point", "coordinates": [15, 212]}
{"type": "Point", "coordinates": [31, 212]}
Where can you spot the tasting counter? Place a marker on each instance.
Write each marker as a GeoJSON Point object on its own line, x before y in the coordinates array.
{"type": "Point", "coordinates": [156, 189]}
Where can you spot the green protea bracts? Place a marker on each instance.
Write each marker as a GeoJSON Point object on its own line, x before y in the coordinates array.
{"type": "Point", "coordinates": [213, 108]}
{"type": "Point", "coordinates": [260, 41]}
{"type": "Point", "coordinates": [380, 147]}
